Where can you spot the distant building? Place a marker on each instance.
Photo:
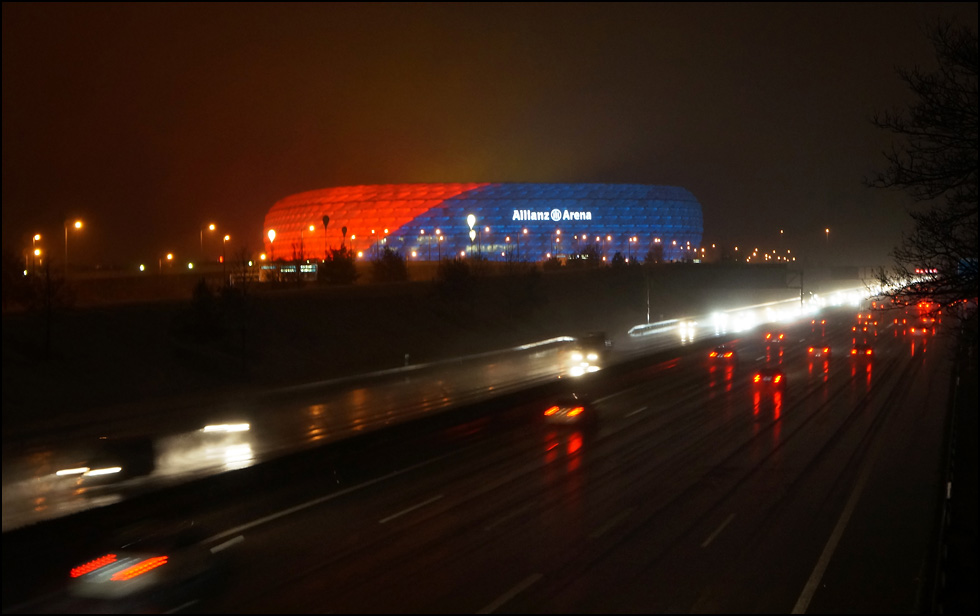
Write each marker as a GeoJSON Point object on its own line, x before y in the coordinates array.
{"type": "Point", "coordinates": [508, 221]}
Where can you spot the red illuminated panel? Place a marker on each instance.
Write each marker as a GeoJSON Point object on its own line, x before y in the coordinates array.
{"type": "Point", "coordinates": [144, 566]}
{"type": "Point", "coordinates": [362, 209]}
{"type": "Point", "coordinates": [93, 565]}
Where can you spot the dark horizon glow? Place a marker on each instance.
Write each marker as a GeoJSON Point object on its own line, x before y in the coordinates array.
{"type": "Point", "coordinates": [149, 122]}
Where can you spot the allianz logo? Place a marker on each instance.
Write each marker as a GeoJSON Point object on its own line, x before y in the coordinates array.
{"type": "Point", "coordinates": [555, 215]}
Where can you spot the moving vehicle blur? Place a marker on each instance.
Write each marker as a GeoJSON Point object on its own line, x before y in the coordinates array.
{"type": "Point", "coordinates": [148, 568]}
{"type": "Point", "coordinates": [114, 457]}
{"type": "Point", "coordinates": [723, 354]}
{"type": "Point", "coordinates": [771, 378]}
{"type": "Point", "coordinates": [775, 337]}
{"type": "Point", "coordinates": [818, 350]}
{"type": "Point", "coordinates": [572, 409]}
{"type": "Point", "coordinates": [589, 354]}
{"type": "Point", "coordinates": [862, 350]}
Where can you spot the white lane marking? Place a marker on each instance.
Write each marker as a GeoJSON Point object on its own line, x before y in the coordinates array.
{"type": "Point", "coordinates": [510, 594]}
{"type": "Point", "coordinates": [410, 509]}
{"type": "Point", "coordinates": [181, 608]}
{"type": "Point", "coordinates": [639, 410]}
{"type": "Point", "coordinates": [611, 523]}
{"type": "Point", "coordinates": [513, 513]}
{"type": "Point", "coordinates": [316, 501]}
{"type": "Point", "coordinates": [228, 544]}
{"type": "Point", "coordinates": [718, 530]}
{"type": "Point", "coordinates": [828, 551]}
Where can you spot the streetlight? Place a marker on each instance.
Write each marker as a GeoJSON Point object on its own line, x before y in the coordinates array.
{"type": "Point", "coordinates": [272, 246]}
{"type": "Point", "coordinates": [35, 252]}
{"type": "Point", "coordinates": [471, 220]}
{"type": "Point", "coordinates": [827, 232]}
{"type": "Point", "coordinates": [169, 257]}
{"type": "Point", "coordinates": [224, 242]}
{"type": "Point", "coordinates": [210, 227]}
{"type": "Point", "coordinates": [302, 244]}
{"type": "Point", "coordinates": [77, 225]}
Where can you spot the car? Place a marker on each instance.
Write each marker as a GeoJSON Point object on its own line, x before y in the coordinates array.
{"type": "Point", "coordinates": [111, 458]}
{"type": "Point", "coordinates": [589, 353]}
{"type": "Point", "coordinates": [723, 353]}
{"type": "Point", "coordinates": [573, 410]}
{"type": "Point", "coordinates": [772, 378]}
{"type": "Point", "coordinates": [775, 337]}
{"type": "Point", "coordinates": [149, 567]}
{"type": "Point", "coordinates": [923, 326]}
{"type": "Point", "coordinates": [862, 350]}
{"type": "Point", "coordinates": [596, 342]}
{"type": "Point", "coordinates": [819, 350]}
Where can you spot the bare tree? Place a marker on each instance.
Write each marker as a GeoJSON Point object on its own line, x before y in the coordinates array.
{"type": "Point", "coordinates": [935, 162]}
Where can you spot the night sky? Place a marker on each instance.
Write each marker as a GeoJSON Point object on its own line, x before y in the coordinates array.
{"type": "Point", "coordinates": [150, 120]}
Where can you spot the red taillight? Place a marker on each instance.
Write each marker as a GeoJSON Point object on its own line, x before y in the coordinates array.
{"type": "Point", "coordinates": [92, 565]}
{"type": "Point", "coordinates": [867, 352]}
{"type": "Point", "coordinates": [578, 410]}
{"type": "Point", "coordinates": [728, 354]}
{"type": "Point", "coordinates": [713, 354]}
{"type": "Point", "coordinates": [810, 350]}
{"type": "Point", "coordinates": [757, 378]}
{"type": "Point", "coordinates": [777, 378]}
{"type": "Point", "coordinates": [551, 411]}
{"type": "Point", "coordinates": [139, 568]}
{"type": "Point", "coordinates": [826, 350]}
{"type": "Point", "coordinates": [854, 352]}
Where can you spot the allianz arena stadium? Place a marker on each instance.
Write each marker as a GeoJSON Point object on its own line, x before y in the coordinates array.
{"type": "Point", "coordinates": [500, 221]}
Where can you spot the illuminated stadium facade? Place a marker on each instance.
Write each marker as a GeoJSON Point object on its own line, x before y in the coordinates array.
{"type": "Point", "coordinates": [506, 221]}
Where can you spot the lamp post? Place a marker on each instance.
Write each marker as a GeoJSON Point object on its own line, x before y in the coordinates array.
{"type": "Point", "coordinates": [439, 243]}
{"type": "Point", "coordinates": [272, 245]}
{"type": "Point", "coordinates": [35, 252]}
{"type": "Point", "coordinates": [302, 241]}
{"type": "Point", "coordinates": [169, 257]}
{"type": "Point", "coordinates": [209, 227]}
{"type": "Point", "coordinates": [77, 225]}
{"type": "Point", "coordinates": [470, 221]}
{"type": "Point", "coordinates": [224, 260]}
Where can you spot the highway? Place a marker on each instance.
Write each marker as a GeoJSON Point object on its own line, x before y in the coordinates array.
{"type": "Point", "coordinates": [697, 492]}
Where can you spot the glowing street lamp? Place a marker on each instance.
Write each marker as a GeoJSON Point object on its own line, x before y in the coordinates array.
{"type": "Point", "coordinates": [470, 221]}
{"type": "Point", "coordinates": [224, 242]}
{"type": "Point", "coordinates": [36, 252]}
{"type": "Point", "coordinates": [77, 225]}
{"type": "Point", "coordinates": [209, 227]}
{"type": "Point", "coordinates": [272, 246]}
{"type": "Point", "coordinates": [169, 257]}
